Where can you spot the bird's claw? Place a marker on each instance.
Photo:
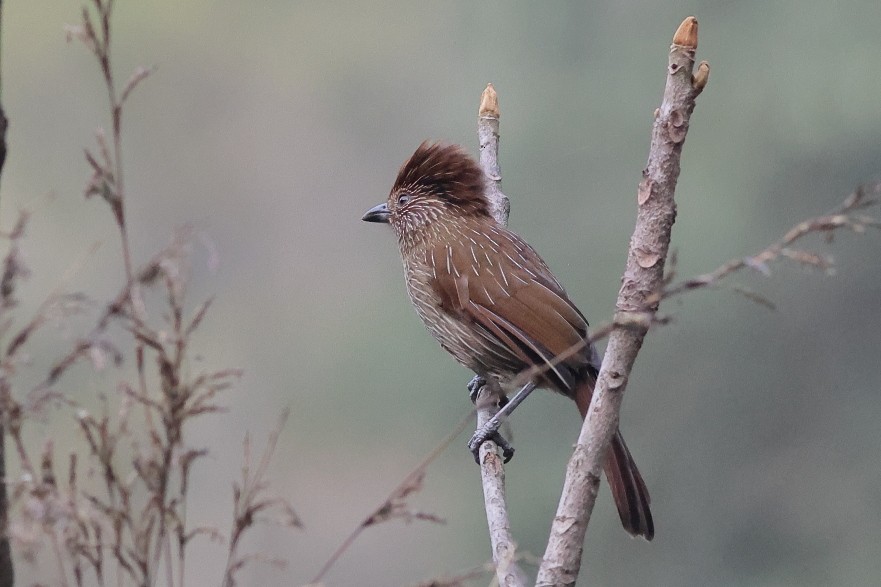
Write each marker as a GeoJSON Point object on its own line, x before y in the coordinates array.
{"type": "Point", "coordinates": [489, 431]}
{"type": "Point", "coordinates": [474, 387]}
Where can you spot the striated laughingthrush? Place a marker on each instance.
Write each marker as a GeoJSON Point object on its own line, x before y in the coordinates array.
{"type": "Point", "coordinates": [490, 300]}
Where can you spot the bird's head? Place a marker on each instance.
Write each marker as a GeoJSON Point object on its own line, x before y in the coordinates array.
{"type": "Point", "coordinates": [439, 183]}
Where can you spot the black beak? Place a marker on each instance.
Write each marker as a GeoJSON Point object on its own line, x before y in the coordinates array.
{"type": "Point", "coordinates": [378, 213]}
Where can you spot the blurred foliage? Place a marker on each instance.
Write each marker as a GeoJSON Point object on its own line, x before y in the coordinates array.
{"type": "Point", "coordinates": [273, 125]}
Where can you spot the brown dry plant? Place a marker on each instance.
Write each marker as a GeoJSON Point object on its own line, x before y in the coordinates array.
{"type": "Point", "coordinates": [115, 511]}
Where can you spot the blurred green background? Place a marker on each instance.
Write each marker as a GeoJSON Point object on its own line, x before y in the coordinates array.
{"type": "Point", "coordinates": [273, 125]}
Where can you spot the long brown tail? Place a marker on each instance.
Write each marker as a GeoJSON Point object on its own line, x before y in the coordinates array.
{"type": "Point", "coordinates": [629, 490]}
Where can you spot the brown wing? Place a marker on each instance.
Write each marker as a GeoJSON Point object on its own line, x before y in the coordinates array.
{"type": "Point", "coordinates": [495, 281]}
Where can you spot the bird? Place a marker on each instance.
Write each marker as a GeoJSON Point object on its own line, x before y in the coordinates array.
{"type": "Point", "coordinates": [491, 301]}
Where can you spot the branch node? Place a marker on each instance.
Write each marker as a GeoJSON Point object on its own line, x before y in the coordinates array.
{"type": "Point", "coordinates": [677, 126]}
{"type": "Point", "coordinates": [699, 80]}
{"type": "Point", "coordinates": [616, 381]}
{"type": "Point", "coordinates": [646, 259]}
{"type": "Point", "coordinates": [644, 192]}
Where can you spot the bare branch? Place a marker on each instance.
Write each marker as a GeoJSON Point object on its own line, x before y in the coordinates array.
{"type": "Point", "coordinates": [642, 277]}
{"type": "Point", "coordinates": [492, 476]}
{"type": "Point", "coordinates": [492, 470]}
{"type": "Point", "coordinates": [845, 217]}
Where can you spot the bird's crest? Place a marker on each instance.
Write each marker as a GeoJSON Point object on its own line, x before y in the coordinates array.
{"type": "Point", "coordinates": [445, 171]}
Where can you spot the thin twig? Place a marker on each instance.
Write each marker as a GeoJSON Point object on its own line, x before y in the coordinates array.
{"type": "Point", "coordinates": [251, 500]}
{"type": "Point", "coordinates": [642, 277]}
{"type": "Point", "coordinates": [114, 309]}
{"type": "Point", "coordinates": [459, 579]}
{"type": "Point", "coordinates": [393, 503]}
{"type": "Point", "coordinates": [843, 217]}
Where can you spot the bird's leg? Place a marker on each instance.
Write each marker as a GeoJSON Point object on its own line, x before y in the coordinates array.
{"type": "Point", "coordinates": [474, 387]}
{"type": "Point", "coordinates": [490, 430]}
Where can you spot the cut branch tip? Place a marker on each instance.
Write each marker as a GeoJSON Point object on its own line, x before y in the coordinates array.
{"type": "Point", "coordinates": [489, 102]}
{"type": "Point", "coordinates": [686, 34]}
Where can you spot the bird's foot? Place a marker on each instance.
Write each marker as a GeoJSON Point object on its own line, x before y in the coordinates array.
{"type": "Point", "coordinates": [490, 431]}
{"type": "Point", "coordinates": [474, 387]}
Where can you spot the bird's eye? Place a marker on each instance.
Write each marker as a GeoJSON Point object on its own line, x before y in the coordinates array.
{"type": "Point", "coordinates": [404, 198]}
